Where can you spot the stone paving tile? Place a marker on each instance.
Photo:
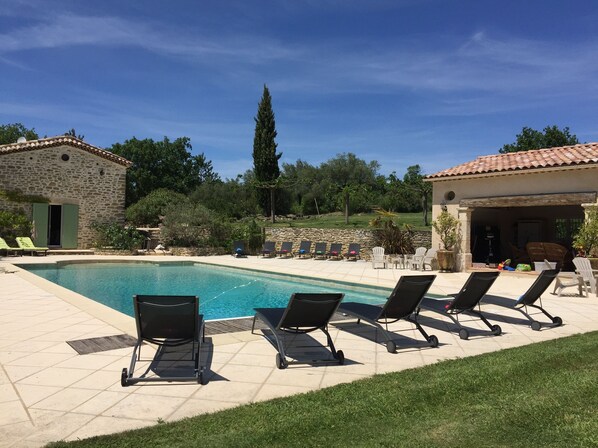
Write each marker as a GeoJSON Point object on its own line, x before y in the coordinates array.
{"type": "Point", "coordinates": [65, 399]}
{"type": "Point", "coordinates": [193, 407]}
{"type": "Point", "coordinates": [12, 412]}
{"type": "Point", "coordinates": [150, 407]}
{"type": "Point", "coordinates": [54, 376]}
{"type": "Point", "coordinates": [100, 402]}
{"type": "Point", "coordinates": [270, 391]}
{"type": "Point", "coordinates": [31, 394]}
{"type": "Point", "coordinates": [107, 425]}
{"type": "Point", "coordinates": [52, 393]}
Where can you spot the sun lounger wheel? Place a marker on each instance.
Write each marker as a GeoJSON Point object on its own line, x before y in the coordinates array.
{"type": "Point", "coordinates": [340, 356]}
{"type": "Point", "coordinates": [496, 330]}
{"type": "Point", "coordinates": [200, 379]}
{"type": "Point", "coordinates": [433, 341]}
{"type": "Point", "coordinates": [391, 347]}
{"type": "Point", "coordinates": [536, 325]}
{"type": "Point", "coordinates": [557, 321]}
{"type": "Point", "coordinates": [464, 334]}
{"type": "Point", "coordinates": [281, 363]}
{"type": "Point", "coordinates": [123, 378]}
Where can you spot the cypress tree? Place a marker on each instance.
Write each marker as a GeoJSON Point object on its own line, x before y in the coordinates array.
{"type": "Point", "coordinates": [265, 158]}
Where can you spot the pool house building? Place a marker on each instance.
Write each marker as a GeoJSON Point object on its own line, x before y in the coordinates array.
{"type": "Point", "coordinates": [504, 201]}
{"type": "Point", "coordinates": [64, 185]}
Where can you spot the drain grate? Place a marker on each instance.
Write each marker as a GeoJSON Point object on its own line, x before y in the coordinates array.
{"type": "Point", "coordinates": [94, 345]}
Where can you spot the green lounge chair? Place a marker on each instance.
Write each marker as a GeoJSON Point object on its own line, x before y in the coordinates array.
{"type": "Point", "coordinates": [9, 250]}
{"type": "Point", "coordinates": [27, 245]}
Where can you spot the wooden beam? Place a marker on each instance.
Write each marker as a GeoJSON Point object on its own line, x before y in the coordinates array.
{"type": "Point", "coordinates": [533, 200]}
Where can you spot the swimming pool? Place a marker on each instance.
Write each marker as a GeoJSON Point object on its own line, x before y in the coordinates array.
{"type": "Point", "coordinates": [223, 292]}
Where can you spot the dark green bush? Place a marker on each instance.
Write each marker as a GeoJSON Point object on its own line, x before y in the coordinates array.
{"type": "Point", "coordinates": [115, 236]}
{"type": "Point", "coordinates": [149, 209]}
{"type": "Point", "coordinates": [13, 225]}
{"type": "Point", "coordinates": [187, 224]}
{"type": "Point", "coordinates": [249, 231]}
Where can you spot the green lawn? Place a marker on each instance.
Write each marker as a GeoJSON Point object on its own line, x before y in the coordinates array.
{"type": "Point", "coordinates": [359, 221]}
{"type": "Point", "coordinates": [543, 394]}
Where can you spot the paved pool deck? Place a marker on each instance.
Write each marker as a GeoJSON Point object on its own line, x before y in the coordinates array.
{"type": "Point", "coordinates": [49, 392]}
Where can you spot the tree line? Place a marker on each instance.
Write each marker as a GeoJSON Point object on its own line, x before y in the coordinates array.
{"type": "Point", "coordinates": [165, 172]}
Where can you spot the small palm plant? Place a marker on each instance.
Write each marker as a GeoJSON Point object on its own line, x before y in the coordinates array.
{"type": "Point", "coordinates": [390, 236]}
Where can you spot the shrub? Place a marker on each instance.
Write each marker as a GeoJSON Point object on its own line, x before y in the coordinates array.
{"type": "Point", "coordinates": [13, 225]}
{"type": "Point", "coordinates": [390, 236]}
{"type": "Point", "coordinates": [586, 239]}
{"type": "Point", "coordinates": [116, 236]}
{"type": "Point", "coordinates": [250, 232]}
{"type": "Point", "coordinates": [150, 209]}
{"type": "Point", "coordinates": [192, 225]}
{"type": "Point", "coordinates": [447, 227]}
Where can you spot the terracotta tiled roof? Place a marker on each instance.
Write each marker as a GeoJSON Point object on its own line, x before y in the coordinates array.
{"type": "Point", "coordinates": [63, 140]}
{"type": "Point", "coordinates": [584, 154]}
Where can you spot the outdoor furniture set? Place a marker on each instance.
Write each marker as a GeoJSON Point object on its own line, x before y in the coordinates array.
{"type": "Point", "coordinates": [320, 251]}
{"type": "Point", "coordinates": [175, 321]}
{"type": "Point", "coordinates": [422, 259]}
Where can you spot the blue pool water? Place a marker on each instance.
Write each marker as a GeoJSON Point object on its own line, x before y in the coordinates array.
{"type": "Point", "coordinates": [223, 292]}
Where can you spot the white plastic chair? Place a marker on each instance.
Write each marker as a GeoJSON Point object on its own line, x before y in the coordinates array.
{"type": "Point", "coordinates": [430, 260]}
{"type": "Point", "coordinates": [569, 280]}
{"type": "Point", "coordinates": [418, 258]}
{"type": "Point", "coordinates": [378, 257]}
{"type": "Point", "coordinates": [584, 269]}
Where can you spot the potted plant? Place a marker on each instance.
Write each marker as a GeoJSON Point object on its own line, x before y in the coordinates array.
{"type": "Point", "coordinates": [447, 228]}
{"type": "Point", "coordinates": [585, 240]}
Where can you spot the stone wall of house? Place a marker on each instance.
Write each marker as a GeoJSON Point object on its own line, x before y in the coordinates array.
{"type": "Point", "coordinates": [365, 237]}
{"type": "Point", "coordinates": [95, 184]}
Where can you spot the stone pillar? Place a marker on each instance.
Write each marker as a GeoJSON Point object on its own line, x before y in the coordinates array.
{"type": "Point", "coordinates": [587, 207]}
{"type": "Point", "coordinates": [464, 257]}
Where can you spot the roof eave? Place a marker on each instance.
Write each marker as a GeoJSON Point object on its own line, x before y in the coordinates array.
{"type": "Point", "coordinates": [512, 172]}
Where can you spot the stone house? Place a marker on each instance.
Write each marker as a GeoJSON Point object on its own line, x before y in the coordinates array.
{"type": "Point", "coordinates": [504, 201]}
{"type": "Point", "coordinates": [64, 185]}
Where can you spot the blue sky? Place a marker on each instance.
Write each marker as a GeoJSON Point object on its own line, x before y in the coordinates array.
{"type": "Point", "coordinates": [434, 82]}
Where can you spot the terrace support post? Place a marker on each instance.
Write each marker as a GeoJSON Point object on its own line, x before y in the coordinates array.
{"type": "Point", "coordinates": [588, 207]}
{"type": "Point", "coordinates": [464, 257]}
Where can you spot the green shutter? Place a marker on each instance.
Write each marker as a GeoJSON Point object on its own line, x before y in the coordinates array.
{"type": "Point", "coordinates": [70, 225]}
{"type": "Point", "coordinates": [40, 225]}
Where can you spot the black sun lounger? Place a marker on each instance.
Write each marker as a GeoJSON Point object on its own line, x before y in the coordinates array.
{"type": "Point", "coordinates": [353, 252]}
{"type": "Point", "coordinates": [304, 250]}
{"type": "Point", "coordinates": [465, 301]}
{"type": "Point", "coordinates": [533, 295]}
{"type": "Point", "coordinates": [269, 249]}
{"type": "Point", "coordinates": [286, 249]}
{"type": "Point", "coordinates": [305, 312]}
{"type": "Point", "coordinates": [319, 252]}
{"type": "Point", "coordinates": [239, 249]}
{"type": "Point", "coordinates": [335, 251]}
{"type": "Point", "coordinates": [167, 321]}
{"type": "Point", "coordinates": [403, 303]}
